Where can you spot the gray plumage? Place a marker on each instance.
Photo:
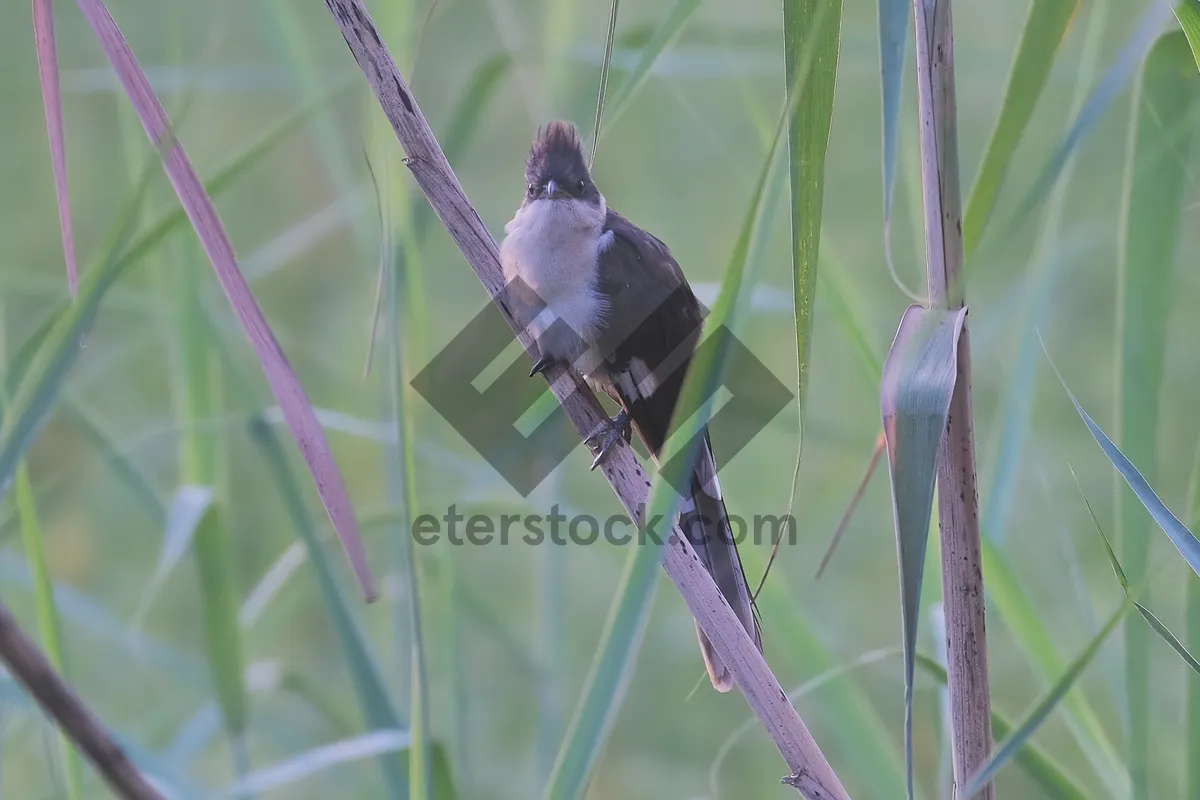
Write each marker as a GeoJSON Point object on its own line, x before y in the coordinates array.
{"type": "Point", "coordinates": [609, 299]}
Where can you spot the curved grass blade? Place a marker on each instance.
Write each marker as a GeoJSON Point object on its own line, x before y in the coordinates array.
{"type": "Point", "coordinates": [1043, 708]}
{"type": "Point", "coordinates": [1187, 544]}
{"type": "Point", "coordinates": [1152, 201]}
{"type": "Point", "coordinates": [368, 682]}
{"type": "Point", "coordinates": [918, 381]}
{"type": "Point", "coordinates": [1027, 626]}
{"type": "Point", "coordinates": [200, 210]}
{"type": "Point", "coordinates": [1045, 29]}
{"type": "Point", "coordinates": [1036, 762]}
{"type": "Point", "coordinates": [811, 33]}
{"type": "Point", "coordinates": [893, 39]}
{"type": "Point", "coordinates": [1188, 14]}
{"type": "Point", "coordinates": [603, 90]}
{"type": "Point", "coordinates": [214, 553]}
{"type": "Point", "coordinates": [660, 40]}
{"type": "Point", "coordinates": [49, 625]}
{"type": "Point", "coordinates": [197, 390]}
{"type": "Point", "coordinates": [402, 490]}
{"type": "Point", "coordinates": [1109, 87]}
{"type": "Point", "coordinates": [305, 765]}
{"type": "Point", "coordinates": [47, 56]}
{"type": "Point", "coordinates": [621, 639]}
{"type": "Point", "coordinates": [1131, 593]}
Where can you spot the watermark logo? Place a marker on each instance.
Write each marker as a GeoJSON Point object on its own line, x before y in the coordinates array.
{"type": "Point", "coordinates": [487, 417]}
{"type": "Point", "coordinates": [555, 527]}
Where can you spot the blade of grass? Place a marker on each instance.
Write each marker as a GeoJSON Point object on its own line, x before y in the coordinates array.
{"type": "Point", "coordinates": [918, 381]}
{"type": "Point", "coordinates": [1187, 544]}
{"type": "Point", "coordinates": [1042, 37]}
{"type": "Point", "coordinates": [1042, 272]}
{"type": "Point", "coordinates": [625, 626]}
{"type": "Point", "coordinates": [1025, 730]}
{"type": "Point", "coordinates": [1102, 96]}
{"type": "Point", "coordinates": [1188, 14]}
{"type": "Point", "coordinates": [402, 273]}
{"type": "Point", "coordinates": [1027, 625]}
{"type": "Point", "coordinates": [305, 765]}
{"type": "Point", "coordinates": [197, 395]}
{"type": "Point", "coordinates": [222, 636]}
{"type": "Point", "coordinates": [811, 37]}
{"type": "Point", "coordinates": [1132, 592]}
{"type": "Point", "coordinates": [42, 376]}
{"type": "Point", "coordinates": [403, 491]}
{"type": "Point", "coordinates": [1037, 763]}
{"type": "Point", "coordinates": [460, 130]}
{"type": "Point", "coordinates": [659, 41]}
{"type": "Point", "coordinates": [1152, 198]}
{"type": "Point", "coordinates": [893, 40]}
{"type": "Point", "coordinates": [368, 682]}
{"type": "Point", "coordinates": [200, 210]}
{"type": "Point", "coordinates": [603, 89]}
{"type": "Point", "coordinates": [49, 626]}
{"type": "Point", "coordinates": [47, 56]}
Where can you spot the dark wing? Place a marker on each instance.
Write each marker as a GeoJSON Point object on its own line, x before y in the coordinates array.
{"type": "Point", "coordinates": [654, 322]}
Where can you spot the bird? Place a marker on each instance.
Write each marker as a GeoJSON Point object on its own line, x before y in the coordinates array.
{"type": "Point", "coordinates": [609, 300]}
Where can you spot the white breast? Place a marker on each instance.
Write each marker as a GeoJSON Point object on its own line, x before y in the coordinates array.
{"type": "Point", "coordinates": [553, 246]}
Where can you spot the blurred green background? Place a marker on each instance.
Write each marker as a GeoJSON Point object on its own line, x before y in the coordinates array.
{"type": "Point", "coordinates": [508, 632]}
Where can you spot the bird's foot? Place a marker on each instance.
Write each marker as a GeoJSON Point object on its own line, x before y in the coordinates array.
{"type": "Point", "coordinates": [544, 363]}
{"type": "Point", "coordinates": [606, 434]}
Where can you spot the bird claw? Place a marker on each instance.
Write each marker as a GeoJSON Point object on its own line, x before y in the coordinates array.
{"type": "Point", "coordinates": [607, 433]}
{"type": "Point", "coordinates": [544, 363]}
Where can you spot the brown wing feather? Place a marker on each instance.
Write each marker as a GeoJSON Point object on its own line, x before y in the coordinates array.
{"type": "Point", "coordinates": [656, 319]}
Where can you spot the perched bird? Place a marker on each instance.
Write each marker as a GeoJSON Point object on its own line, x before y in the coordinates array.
{"type": "Point", "coordinates": [609, 299]}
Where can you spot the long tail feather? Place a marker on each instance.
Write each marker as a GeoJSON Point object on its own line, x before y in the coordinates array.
{"type": "Point", "coordinates": [705, 521]}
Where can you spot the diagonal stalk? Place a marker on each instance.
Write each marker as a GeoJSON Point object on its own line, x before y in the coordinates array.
{"type": "Point", "coordinates": [958, 501]}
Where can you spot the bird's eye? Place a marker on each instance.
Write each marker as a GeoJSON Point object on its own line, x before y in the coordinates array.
{"type": "Point", "coordinates": [579, 188]}
{"type": "Point", "coordinates": [531, 189]}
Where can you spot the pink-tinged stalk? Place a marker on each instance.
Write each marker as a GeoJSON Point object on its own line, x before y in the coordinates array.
{"type": "Point", "coordinates": [293, 402]}
{"type": "Point", "coordinates": [47, 56]}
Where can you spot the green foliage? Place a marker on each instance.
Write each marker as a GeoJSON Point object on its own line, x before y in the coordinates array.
{"type": "Point", "coordinates": [135, 424]}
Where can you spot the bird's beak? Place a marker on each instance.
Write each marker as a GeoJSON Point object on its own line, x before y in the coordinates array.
{"type": "Point", "coordinates": [551, 188]}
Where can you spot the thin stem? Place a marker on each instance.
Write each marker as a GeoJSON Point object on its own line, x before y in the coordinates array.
{"type": "Point", "coordinates": [958, 500]}
{"type": "Point", "coordinates": [35, 673]}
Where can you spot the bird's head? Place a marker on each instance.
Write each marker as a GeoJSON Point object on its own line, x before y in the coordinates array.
{"type": "Point", "coordinates": [556, 169]}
